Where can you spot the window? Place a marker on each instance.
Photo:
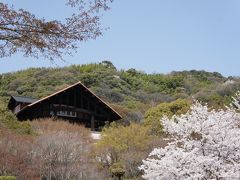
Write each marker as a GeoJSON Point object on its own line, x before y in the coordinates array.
{"type": "Point", "coordinates": [67, 113]}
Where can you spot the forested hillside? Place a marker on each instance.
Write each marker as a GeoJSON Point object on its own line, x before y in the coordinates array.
{"type": "Point", "coordinates": [135, 94]}
{"type": "Point", "coordinates": [129, 90]}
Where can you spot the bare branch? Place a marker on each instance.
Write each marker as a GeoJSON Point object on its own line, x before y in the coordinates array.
{"type": "Point", "coordinates": [22, 31]}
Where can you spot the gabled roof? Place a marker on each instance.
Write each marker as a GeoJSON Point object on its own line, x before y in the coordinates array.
{"type": "Point", "coordinates": [69, 87]}
{"type": "Point", "coordinates": [24, 99]}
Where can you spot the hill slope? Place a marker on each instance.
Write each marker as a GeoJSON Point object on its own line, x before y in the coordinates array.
{"type": "Point", "coordinates": [131, 92]}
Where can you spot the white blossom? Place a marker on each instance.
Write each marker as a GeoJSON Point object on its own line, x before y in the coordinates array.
{"type": "Point", "coordinates": [236, 100]}
{"type": "Point", "coordinates": [206, 145]}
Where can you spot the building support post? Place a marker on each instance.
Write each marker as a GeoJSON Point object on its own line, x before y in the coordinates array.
{"type": "Point", "coordinates": [92, 123]}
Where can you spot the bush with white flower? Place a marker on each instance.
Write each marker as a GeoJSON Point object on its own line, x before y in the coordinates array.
{"type": "Point", "coordinates": [205, 145]}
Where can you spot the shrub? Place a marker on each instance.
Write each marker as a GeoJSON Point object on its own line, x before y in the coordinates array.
{"type": "Point", "coordinates": [121, 148]}
{"type": "Point", "coordinates": [7, 178]}
{"type": "Point", "coordinates": [16, 157]}
{"type": "Point", "coordinates": [9, 120]}
{"type": "Point", "coordinates": [153, 115]}
{"type": "Point", "coordinates": [59, 150]}
{"type": "Point", "coordinates": [63, 149]}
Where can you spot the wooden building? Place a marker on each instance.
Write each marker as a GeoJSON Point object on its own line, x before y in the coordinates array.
{"type": "Point", "coordinates": [76, 103]}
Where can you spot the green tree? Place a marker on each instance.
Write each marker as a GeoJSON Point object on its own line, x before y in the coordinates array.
{"type": "Point", "coordinates": [153, 115]}
{"type": "Point", "coordinates": [121, 149]}
{"type": "Point", "coordinates": [9, 121]}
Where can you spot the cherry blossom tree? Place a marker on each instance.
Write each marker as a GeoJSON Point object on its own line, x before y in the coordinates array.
{"type": "Point", "coordinates": [205, 145]}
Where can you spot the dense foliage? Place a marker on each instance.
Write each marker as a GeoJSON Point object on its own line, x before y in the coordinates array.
{"type": "Point", "coordinates": [9, 121]}
{"type": "Point", "coordinates": [153, 115]}
{"type": "Point", "coordinates": [121, 149]}
{"type": "Point", "coordinates": [130, 89]}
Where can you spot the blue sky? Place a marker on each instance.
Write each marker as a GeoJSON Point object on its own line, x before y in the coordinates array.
{"type": "Point", "coordinates": [155, 36]}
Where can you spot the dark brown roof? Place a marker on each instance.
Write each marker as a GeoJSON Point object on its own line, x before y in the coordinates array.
{"type": "Point", "coordinates": [15, 100]}
{"type": "Point", "coordinates": [24, 99]}
{"type": "Point", "coordinates": [76, 84]}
